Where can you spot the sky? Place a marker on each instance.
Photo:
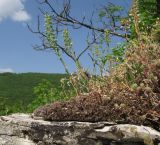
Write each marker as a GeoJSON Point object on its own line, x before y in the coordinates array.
{"type": "Point", "coordinates": [16, 41]}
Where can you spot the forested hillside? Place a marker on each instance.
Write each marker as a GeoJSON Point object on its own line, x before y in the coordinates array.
{"type": "Point", "coordinates": [17, 89]}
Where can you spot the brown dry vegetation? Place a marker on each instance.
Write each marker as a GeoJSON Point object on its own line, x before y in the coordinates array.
{"type": "Point", "coordinates": [131, 94]}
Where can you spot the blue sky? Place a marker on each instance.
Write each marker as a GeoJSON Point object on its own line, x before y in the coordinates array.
{"type": "Point", "coordinates": [16, 41]}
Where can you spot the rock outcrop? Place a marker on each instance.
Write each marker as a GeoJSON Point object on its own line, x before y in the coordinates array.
{"type": "Point", "coordinates": [22, 129]}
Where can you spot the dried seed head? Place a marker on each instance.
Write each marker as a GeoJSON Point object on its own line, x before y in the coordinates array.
{"type": "Point", "coordinates": [148, 89]}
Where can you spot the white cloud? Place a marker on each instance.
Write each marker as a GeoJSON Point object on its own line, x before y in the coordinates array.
{"type": "Point", "coordinates": [13, 9]}
{"type": "Point", "coordinates": [21, 16]}
{"type": "Point", "coordinates": [3, 70]}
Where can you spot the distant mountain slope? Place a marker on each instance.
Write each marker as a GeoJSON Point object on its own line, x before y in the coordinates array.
{"type": "Point", "coordinates": [19, 87]}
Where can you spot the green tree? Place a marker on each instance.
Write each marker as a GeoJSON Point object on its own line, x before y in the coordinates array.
{"type": "Point", "coordinates": [45, 93]}
{"type": "Point", "coordinates": [145, 15]}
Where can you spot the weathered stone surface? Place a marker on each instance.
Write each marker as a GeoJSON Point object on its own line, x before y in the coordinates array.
{"type": "Point", "coordinates": [21, 129]}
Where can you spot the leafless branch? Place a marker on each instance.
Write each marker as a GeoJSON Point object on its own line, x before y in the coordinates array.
{"type": "Point", "coordinates": [62, 18]}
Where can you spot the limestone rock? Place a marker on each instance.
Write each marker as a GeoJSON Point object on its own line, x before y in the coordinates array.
{"type": "Point", "coordinates": [22, 129]}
